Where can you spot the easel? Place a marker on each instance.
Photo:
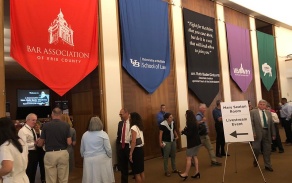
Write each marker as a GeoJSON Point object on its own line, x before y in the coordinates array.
{"type": "Point", "coordinates": [236, 161]}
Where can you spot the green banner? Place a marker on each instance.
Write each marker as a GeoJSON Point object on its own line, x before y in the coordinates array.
{"type": "Point", "coordinates": [267, 59]}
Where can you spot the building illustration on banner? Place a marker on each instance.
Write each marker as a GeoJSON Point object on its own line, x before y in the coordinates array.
{"type": "Point", "coordinates": [241, 71]}
{"type": "Point", "coordinates": [236, 121]}
{"type": "Point", "coordinates": [267, 69]}
{"type": "Point", "coordinates": [59, 29]}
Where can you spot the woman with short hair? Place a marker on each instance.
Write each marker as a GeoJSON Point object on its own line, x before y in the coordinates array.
{"type": "Point", "coordinates": [13, 154]}
{"type": "Point", "coordinates": [97, 153]}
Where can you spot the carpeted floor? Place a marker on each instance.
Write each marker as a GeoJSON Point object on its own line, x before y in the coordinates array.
{"type": "Point", "coordinates": [239, 168]}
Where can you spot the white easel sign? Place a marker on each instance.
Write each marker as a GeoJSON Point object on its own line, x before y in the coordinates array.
{"type": "Point", "coordinates": [236, 121]}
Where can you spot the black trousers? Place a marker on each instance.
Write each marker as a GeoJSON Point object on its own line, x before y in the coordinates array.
{"type": "Point", "coordinates": [41, 155]}
{"type": "Point", "coordinates": [123, 161]}
{"type": "Point", "coordinates": [220, 139]}
{"type": "Point", "coordinates": [287, 127]}
{"type": "Point", "coordinates": [32, 165]}
{"type": "Point", "coordinates": [277, 142]}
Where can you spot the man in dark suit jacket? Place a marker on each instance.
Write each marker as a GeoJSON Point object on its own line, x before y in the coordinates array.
{"type": "Point", "coordinates": [123, 150]}
{"type": "Point", "coordinates": [264, 131]}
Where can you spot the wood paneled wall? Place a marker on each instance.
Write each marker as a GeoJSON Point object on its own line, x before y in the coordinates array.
{"type": "Point", "coordinates": [136, 99]}
{"type": "Point", "coordinates": [85, 104]}
{"type": "Point", "coordinates": [83, 100]}
{"type": "Point", "coordinates": [240, 20]}
{"type": "Point", "coordinates": [207, 8]}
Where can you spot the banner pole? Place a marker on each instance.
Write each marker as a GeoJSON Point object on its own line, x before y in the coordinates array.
{"type": "Point", "coordinates": [235, 161]}
{"type": "Point", "coordinates": [225, 161]}
{"type": "Point", "coordinates": [257, 162]}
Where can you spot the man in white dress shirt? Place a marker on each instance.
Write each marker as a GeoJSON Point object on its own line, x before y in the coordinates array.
{"type": "Point", "coordinates": [28, 135]}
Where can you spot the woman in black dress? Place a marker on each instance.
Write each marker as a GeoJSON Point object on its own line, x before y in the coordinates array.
{"type": "Point", "coordinates": [193, 144]}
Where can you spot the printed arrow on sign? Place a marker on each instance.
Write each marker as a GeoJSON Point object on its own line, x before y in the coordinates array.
{"type": "Point", "coordinates": [235, 134]}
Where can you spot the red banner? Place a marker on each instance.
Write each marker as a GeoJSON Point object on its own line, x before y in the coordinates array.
{"type": "Point", "coordinates": [56, 41]}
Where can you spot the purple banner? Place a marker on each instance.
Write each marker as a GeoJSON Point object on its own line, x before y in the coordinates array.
{"type": "Point", "coordinates": [239, 53]}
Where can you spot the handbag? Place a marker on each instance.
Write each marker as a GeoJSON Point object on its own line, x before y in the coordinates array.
{"type": "Point", "coordinates": [138, 140]}
{"type": "Point", "coordinates": [202, 129]}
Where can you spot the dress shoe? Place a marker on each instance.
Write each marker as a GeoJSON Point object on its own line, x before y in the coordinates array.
{"type": "Point", "coordinates": [273, 150]}
{"type": "Point", "coordinates": [281, 151]}
{"type": "Point", "coordinates": [219, 155]}
{"type": "Point", "coordinates": [184, 177]}
{"type": "Point", "coordinates": [215, 163]}
{"type": "Point", "coordinates": [197, 175]}
{"type": "Point", "coordinates": [176, 171]}
{"type": "Point", "coordinates": [269, 169]}
{"type": "Point", "coordinates": [167, 174]}
{"type": "Point", "coordinates": [255, 164]}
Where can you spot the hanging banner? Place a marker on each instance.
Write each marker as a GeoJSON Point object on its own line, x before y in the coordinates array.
{"type": "Point", "coordinates": [145, 41]}
{"type": "Point", "coordinates": [239, 53]}
{"type": "Point", "coordinates": [56, 41]}
{"type": "Point", "coordinates": [202, 56]}
{"type": "Point", "coordinates": [267, 59]}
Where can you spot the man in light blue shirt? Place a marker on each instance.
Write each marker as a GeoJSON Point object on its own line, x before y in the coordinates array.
{"type": "Point", "coordinates": [160, 115]}
{"type": "Point", "coordinates": [286, 112]}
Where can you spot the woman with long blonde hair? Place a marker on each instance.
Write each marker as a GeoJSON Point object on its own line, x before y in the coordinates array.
{"type": "Point", "coordinates": [70, 148]}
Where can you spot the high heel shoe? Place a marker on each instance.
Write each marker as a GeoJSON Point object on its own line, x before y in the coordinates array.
{"type": "Point", "coordinates": [184, 177]}
{"type": "Point", "coordinates": [197, 175]}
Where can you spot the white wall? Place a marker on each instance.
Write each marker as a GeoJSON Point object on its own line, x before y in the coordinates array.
{"type": "Point", "coordinates": [284, 47]}
{"type": "Point", "coordinates": [111, 64]}
{"type": "Point", "coordinates": [180, 64]}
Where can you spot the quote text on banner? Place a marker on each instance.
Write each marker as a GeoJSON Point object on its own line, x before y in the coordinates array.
{"type": "Point", "coordinates": [202, 56]}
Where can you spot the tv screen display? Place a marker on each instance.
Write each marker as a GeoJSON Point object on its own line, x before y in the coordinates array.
{"type": "Point", "coordinates": [33, 98]}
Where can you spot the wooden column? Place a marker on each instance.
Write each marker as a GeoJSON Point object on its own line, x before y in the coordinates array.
{"type": "Point", "coordinates": [2, 67]}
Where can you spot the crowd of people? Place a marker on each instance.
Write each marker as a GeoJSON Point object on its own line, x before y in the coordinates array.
{"type": "Point", "coordinates": [51, 147]}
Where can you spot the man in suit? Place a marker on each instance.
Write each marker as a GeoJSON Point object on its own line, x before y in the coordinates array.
{"type": "Point", "coordinates": [123, 140]}
{"type": "Point", "coordinates": [264, 131]}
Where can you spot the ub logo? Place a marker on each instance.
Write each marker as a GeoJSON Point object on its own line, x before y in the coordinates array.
{"type": "Point", "coordinates": [267, 69]}
{"type": "Point", "coordinates": [135, 63]}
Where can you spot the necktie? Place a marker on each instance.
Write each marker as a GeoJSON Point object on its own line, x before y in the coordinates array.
{"type": "Point", "coordinates": [33, 133]}
{"type": "Point", "coordinates": [265, 119]}
{"type": "Point", "coordinates": [123, 135]}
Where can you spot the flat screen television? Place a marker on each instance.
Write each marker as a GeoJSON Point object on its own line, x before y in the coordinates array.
{"type": "Point", "coordinates": [33, 101]}
{"type": "Point", "coordinates": [33, 98]}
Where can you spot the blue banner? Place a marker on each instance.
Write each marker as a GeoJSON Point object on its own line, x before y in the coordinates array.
{"type": "Point", "coordinates": [145, 41]}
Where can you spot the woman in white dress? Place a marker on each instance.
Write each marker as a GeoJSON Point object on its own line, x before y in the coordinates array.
{"type": "Point", "coordinates": [13, 154]}
{"type": "Point", "coordinates": [97, 153]}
